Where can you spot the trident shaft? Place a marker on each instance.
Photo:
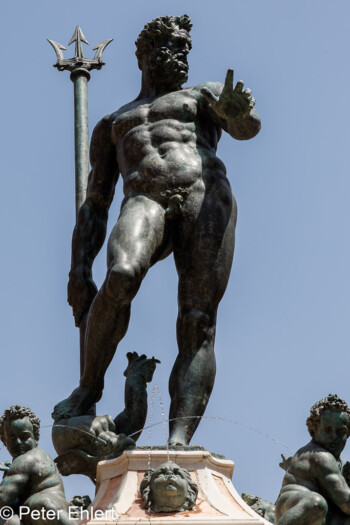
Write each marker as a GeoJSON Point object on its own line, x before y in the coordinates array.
{"type": "Point", "coordinates": [80, 68]}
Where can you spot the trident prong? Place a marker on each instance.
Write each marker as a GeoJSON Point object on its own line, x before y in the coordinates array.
{"type": "Point", "coordinates": [100, 48]}
{"type": "Point", "coordinates": [78, 37]}
{"type": "Point", "coordinates": [79, 61]}
{"type": "Point", "coordinates": [57, 47]}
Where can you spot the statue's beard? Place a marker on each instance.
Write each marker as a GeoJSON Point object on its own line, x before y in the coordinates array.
{"type": "Point", "coordinates": [168, 69]}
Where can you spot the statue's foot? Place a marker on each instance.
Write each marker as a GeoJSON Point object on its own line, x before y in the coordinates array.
{"type": "Point", "coordinates": [79, 403]}
{"type": "Point", "coordinates": [177, 438]}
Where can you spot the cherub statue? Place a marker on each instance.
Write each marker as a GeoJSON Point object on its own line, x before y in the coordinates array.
{"type": "Point", "coordinates": [315, 488]}
{"type": "Point", "coordinates": [168, 489]}
{"type": "Point", "coordinates": [32, 482]}
{"type": "Point", "coordinates": [83, 441]}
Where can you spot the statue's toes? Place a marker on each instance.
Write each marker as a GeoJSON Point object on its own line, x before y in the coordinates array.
{"type": "Point", "coordinates": [62, 410]}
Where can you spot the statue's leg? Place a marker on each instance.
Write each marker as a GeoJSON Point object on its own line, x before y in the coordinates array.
{"type": "Point", "coordinates": [134, 245]}
{"type": "Point", "coordinates": [300, 507]}
{"type": "Point", "coordinates": [203, 250]}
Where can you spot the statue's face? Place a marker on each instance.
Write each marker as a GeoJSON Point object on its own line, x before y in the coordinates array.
{"type": "Point", "coordinates": [168, 487]}
{"type": "Point", "coordinates": [332, 431]}
{"type": "Point", "coordinates": [19, 436]}
{"type": "Point", "coordinates": [168, 61]}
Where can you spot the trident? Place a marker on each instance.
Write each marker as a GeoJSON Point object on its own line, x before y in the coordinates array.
{"type": "Point", "coordinates": [80, 68]}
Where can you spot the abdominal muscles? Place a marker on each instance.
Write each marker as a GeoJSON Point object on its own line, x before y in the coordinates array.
{"type": "Point", "coordinates": [159, 157]}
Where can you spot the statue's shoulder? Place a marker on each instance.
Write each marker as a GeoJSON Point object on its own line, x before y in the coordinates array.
{"type": "Point", "coordinates": [319, 458]}
{"type": "Point", "coordinates": [38, 454]}
{"type": "Point", "coordinates": [107, 121]}
{"type": "Point", "coordinates": [125, 109]}
{"type": "Point", "coordinates": [103, 125]}
{"type": "Point", "coordinates": [310, 449]}
{"type": "Point", "coordinates": [25, 462]}
{"type": "Point", "coordinates": [215, 87]}
{"type": "Point", "coordinates": [103, 128]}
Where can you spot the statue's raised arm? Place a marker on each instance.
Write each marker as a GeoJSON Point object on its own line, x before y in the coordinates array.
{"type": "Point", "coordinates": [234, 107]}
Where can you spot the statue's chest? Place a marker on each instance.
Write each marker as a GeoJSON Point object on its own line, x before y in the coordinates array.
{"type": "Point", "coordinates": [178, 106]}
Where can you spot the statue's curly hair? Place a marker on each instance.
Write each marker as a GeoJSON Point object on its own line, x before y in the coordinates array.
{"type": "Point", "coordinates": [331, 402]}
{"type": "Point", "coordinates": [19, 412]}
{"type": "Point", "coordinates": [156, 32]}
{"type": "Point", "coordinates": [145, 488]}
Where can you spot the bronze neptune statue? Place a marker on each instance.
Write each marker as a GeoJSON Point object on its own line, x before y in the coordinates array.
{"type": "Point", "coordinates": [177, 200]}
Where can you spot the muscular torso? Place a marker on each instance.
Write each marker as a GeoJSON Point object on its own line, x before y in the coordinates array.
{"type": "Point", "coordinates": [166, 142]}
{"type": "Point", "coordinates": [306, 467]}
{"type": "Point", "coordinates": [42, 471]}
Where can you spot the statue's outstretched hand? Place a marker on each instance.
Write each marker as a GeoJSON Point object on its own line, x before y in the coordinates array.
{"type": "Point", "coordinates": [286, 462]}
{"type": "Point", "coordinates": [233, 102]}
{"type": "Point", "coordinates": [81, 293]}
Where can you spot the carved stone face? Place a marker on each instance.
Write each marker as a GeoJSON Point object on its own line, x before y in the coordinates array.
{"type": "Point", "coordinates": [168, 487]}
{"type": "Point", "coordinates": [19, 436]}
{"type": "Point", "coordinates": [332, 431]}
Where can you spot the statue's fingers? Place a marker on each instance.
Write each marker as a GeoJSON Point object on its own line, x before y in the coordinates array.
{"type": "Point", "coordinates": [239, 86]}
{"type": "Point", "coordinates": [229, 80]}
{"type": "Point", "coordinates": [251, 102]}
{"type": "Point", "coordinates": [247, 93]}
{"type": "Point", "coordinates": [209, 95]}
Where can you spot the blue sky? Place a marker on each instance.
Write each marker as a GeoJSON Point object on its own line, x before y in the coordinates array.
{"type": "Point", "coordinates": [283, 326]}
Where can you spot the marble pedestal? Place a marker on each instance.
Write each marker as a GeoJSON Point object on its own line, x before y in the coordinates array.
{"type": "Point", "coordinates": [118, 498]}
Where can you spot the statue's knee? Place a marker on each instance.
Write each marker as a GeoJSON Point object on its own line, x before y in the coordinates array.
{"type": "Point", "coordinates": [194, 318]}
{"type": "Point", "coordinates": [317, 504]}
{"type": "Point", "coordinates": [122, 281]}
{"type": "Point", "coordinates": [197, 324]}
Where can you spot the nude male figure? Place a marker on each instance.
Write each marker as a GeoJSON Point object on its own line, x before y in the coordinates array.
{"type": "Point", "coordinates": [177, 199]}
{"type": "Point", "coordinates": [315, 488]}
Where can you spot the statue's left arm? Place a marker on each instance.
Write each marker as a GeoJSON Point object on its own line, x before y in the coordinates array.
{"type": "Point", "coordinates": [232, 108]}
